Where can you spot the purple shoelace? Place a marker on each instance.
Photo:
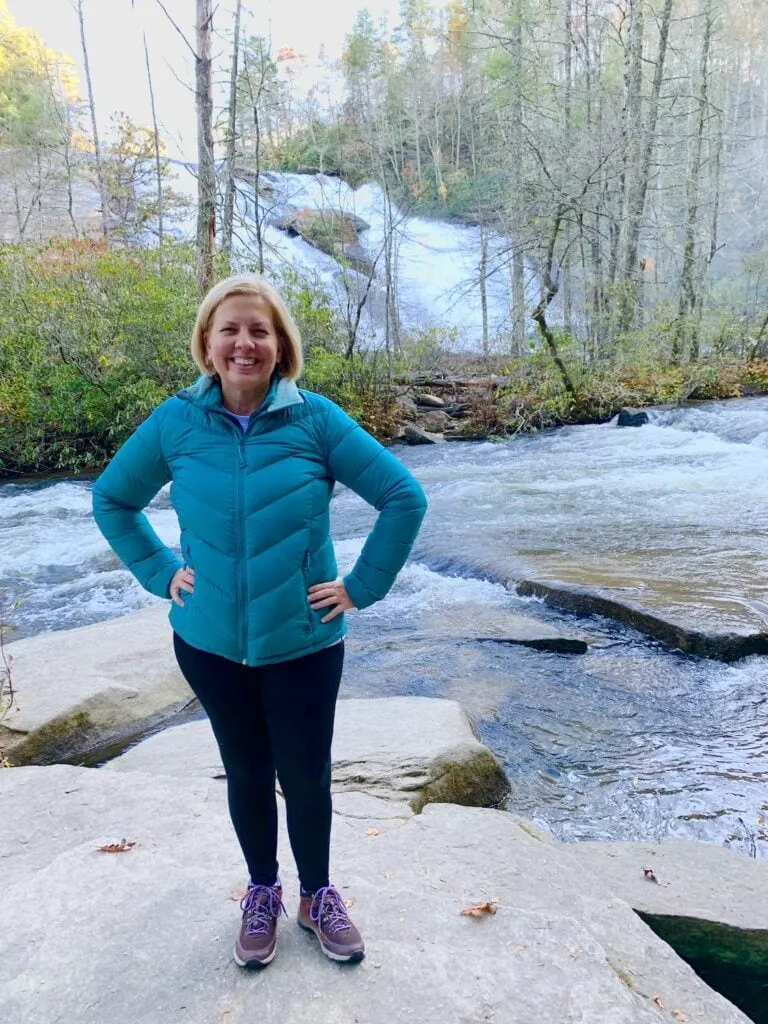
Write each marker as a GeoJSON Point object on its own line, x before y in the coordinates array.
{"type": "Point", "coordinates": [328, 910]}
{"type": "Point", "coordinates": [261, 906]}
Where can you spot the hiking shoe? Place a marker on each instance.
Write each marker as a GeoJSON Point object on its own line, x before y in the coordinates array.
{"type": "Point", "coordinates": [326, 916]}
{"type": "Point", "coordinates": [256, 944]}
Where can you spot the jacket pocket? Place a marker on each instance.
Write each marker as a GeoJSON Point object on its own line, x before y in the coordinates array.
{"type": "Point", "coordinates": [310, 625]}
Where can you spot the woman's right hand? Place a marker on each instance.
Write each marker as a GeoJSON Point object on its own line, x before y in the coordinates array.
{"type": "Point", "coordinates": [183, 579]}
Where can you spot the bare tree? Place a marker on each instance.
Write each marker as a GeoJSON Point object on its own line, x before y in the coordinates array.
{"type": "Point", "coordinates": [206, 166]}
{"type": "Point", "coordinates": [229, 181]}
{"type": "Point", "coordinates": [158, 164]}
{"type": "Point", "coordinates": [94, 126]}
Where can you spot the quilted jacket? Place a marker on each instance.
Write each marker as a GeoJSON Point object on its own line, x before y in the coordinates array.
{"type": "Point", "coordinates": [253, 508]}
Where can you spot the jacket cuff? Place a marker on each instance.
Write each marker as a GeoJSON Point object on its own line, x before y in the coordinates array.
{"type": "Point", "coordinates": [160, 580]}
{"type": "Point", "coordinates": [358, 595]}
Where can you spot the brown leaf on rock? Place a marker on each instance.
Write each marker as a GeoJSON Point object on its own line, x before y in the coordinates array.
{"type": "Point", "coordinates": [480, 909]}
{"type": "Point", "coordinates": [372, 832]}
{"type": "Point", "coordinates": [237, 895]}
{"type": "Point", "coordinates": [122, 847]}
{"type": "Point", "coordinates": [683, 1018]}
{"type": "Point", "coordinates": [658, 1002]}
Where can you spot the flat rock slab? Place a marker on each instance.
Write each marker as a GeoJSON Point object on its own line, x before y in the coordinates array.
{"type": "Point", "coordinates": [694, 628]}
{"type": "Point", "coordinates": [86, 689]}
{"type": "Point", "coordinates": [500, 626]}
{"type": "Point", "coordinates": [146, 936]}
{"type": "Point", "coordinates": [410, 750]}
{"type": "Point", "coordinates": [711, 902]}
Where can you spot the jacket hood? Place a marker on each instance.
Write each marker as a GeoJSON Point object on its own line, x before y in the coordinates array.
{"type": "Point", "coordinates": [206, 394]}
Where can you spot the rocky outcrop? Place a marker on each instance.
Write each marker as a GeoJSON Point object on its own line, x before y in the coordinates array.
{"type": "Point", "coordinates": [146, 935]}
{"type": "Point", "coordinates": [333, 232]}
{"type": "Point", "coordinates": [84, 690]}
{"type": "Point", "coordinates": [709, 904]}
{"type": "Point", "coordinates": [413, 750]}
{"type": "Point", "coordinates": [632, 418]}
{"type": "Point", "coordinates": [666, 626]}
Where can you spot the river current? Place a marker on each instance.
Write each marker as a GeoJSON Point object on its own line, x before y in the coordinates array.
{"type": "Point", "coordinates": [630, 740]}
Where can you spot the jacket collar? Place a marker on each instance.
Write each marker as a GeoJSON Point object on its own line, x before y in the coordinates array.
{"type": "Point", "coordinates": [206, 394]}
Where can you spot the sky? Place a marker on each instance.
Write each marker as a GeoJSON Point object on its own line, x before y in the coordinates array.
{"type": "Point", "coordinates": [116, 54]}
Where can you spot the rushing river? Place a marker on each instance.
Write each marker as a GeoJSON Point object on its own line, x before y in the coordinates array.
{"type": "Point", "coordinates": [627, 741]}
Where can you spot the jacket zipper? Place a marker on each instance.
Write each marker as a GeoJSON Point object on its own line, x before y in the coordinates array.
{"type": "Point", "coordinates": [242, 569]}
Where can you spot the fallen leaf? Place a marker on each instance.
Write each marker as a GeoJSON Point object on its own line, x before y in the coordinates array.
{"type": "Point", "coordinates": [657, 1000]}
{"type": "Point", "coordinates": [122, 847]}
{"type": "Point", "coordinates": [681, 1017]}
{"type": "Point", "coordinates": [519, 949]}
{"type": "Point", "coordinates": [372, 832]}
{"type": "Point", "coordinates": [480, 909]}
{"type": "Point", "coordinates": [349, 903]}
{"type": "Point", "coordinates": [237, 895]}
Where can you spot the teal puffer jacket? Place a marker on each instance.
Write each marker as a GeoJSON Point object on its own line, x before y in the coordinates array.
{"type": "Point", "coordinates": [253, 508]}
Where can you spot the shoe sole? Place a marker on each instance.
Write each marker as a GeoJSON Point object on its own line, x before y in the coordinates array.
{"type": "Point", "coordinates": [353, 958]}
{"type": "Point", "coordinates": [254, 964]}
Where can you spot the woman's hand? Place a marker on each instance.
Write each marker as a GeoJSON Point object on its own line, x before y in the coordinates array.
{"type": "Point", "coordinates": [329, 595]}
{"type": "Point", "coordinates": [183, 579]}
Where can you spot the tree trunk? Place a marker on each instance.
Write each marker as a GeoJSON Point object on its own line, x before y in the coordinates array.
{"type": "Point", "coordinates": [639, 192]}
{"type": "Point", "coordinates": [229, 184]}
{"type": "Point", "coordinates": [94, 128]}
{"type": "Point", "coordinates": [685, 337]}
{"type": "Point", "coordinates": [483, 287]}
{"type": "Point", "coordinates": [156, 138]}
{"type": "Point", "coordinates": [549, 290]}
{"type": "Point", "coordinates": [206, 167]}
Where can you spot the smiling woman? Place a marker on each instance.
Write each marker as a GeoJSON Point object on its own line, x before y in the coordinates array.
{"type": "Point", "coordinates": [258, 610]}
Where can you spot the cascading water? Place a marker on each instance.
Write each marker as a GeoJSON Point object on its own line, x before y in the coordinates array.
{"type": "Point", "coordinates": [437, 262]}
{"type": "Point", "coordinates": [627, 741]}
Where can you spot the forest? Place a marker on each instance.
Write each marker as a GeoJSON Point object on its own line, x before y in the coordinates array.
{"type": "Point", "coordinates": [609, 157]}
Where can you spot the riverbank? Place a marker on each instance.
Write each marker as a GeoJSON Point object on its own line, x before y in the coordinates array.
{"type": "Point", "coordinates": [524, 397]}
{"type": "Point", "coordinates": [469, 914]}
{"type": "Point", "coordinates": [627, 740]}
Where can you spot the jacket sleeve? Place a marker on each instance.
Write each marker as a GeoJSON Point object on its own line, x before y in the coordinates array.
{"type": "Point", "coordinates": [359, 462]}
{"type": "Point", "coordinates": [124, 489]}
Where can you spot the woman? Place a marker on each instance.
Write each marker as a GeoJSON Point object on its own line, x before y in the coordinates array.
{"type": "Point", "coordinates": [258, 612]}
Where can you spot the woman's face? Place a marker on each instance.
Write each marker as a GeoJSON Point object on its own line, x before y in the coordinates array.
{"type": "Point", "coordinates": [242, 344]}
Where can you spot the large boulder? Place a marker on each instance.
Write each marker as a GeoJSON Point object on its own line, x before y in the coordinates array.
{"type": "Point", "coordinates": [632, 418]}
{"type": "Point", "coordinates": [333, 232]}
{"type": "Point", "coordinates": [146, 935]}
{"type": "Point", "coordinates": [413, 750]}
{"type": "Point", "coordinates": [85, 690]}
{"type": "Point", "coordinates": [708, 902]}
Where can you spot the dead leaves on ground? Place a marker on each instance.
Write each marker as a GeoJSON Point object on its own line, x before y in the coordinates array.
{"type": "Point", "coordinates": [122, 847]}
{"type": "Point", "coordinates": [651, 876]}
{"type": "Point", "coordinates": [372, 832]}
{"type": "Point", "coordinates": [480, 909]}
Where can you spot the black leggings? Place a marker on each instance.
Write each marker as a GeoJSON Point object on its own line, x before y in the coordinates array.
{"type": "Point", "coordinates": [273, 718]}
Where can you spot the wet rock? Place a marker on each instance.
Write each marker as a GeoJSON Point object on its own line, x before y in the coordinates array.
{"type": "Point", "coordinates": [85, 689]}
{"type": "Point", "coordinates": [500, 627]}
{"type": "Point", "coordinates": [669, 630]}
{"type": "Point", "coordinates": [414, 435]}
{"type": "Point", "coordinates": [430, 401]}
{"type": "Point", "coordinates": [435, 422]}
{"type": "Point", "coordinates": [632, 418]}
{"type": "Point", "coordinates": [416, 750]}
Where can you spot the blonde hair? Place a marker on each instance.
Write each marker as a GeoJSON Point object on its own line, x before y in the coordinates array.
{"type": "Point", "coordinates": [291, 360]}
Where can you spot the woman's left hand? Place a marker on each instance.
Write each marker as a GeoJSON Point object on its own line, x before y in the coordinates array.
{"type": "Point", "coordinates": [329, 595]}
